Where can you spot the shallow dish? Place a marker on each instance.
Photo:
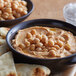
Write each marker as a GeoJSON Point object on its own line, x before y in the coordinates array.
{"type": "Point", "coordinates": [57, 63]}
{"type": "Point", "coordinates": [18, 20]}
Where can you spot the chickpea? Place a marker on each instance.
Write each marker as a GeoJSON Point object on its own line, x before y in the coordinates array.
{"type": "Point", "coordinates": [23, 3]}
{"type": "Point", "coordinates": [39, 44]}
{"type": "Point", "coordinates": [50, 42]}
{"type": "Point", "coordinates": [39, 36]}
{"type": "Point", "coordinates": [56, 46]}
{"type": "Point", "coordinates": [11, 17]}
{"type": "Point", "coordinates": [60, 43]}
{"type": "Point", "coordinates": [24, 12]}
{"type": "Point", "coordinates": [52, 53]}
{"type": "Point", "coordinates": [15, 2]}
{"type": "Point", "coordinates": [65, 36]}
{"type": "Point", "coordinates": [33, 32]}
{"type": "Point", "coordinates": [30, 40]}
{"type": "Point", "coordinates": [62, 39]}
{"type": "Point", "coordinates": [44, 39]}
{"type": "Point", "coordinates": [14, 6]}
{"type": "Point", "coordinates": [20, 10]}
{"type": "Point", "coordinates": [67, 47]}
{"type": "Point", "coordinates": [32, 47]}
{"type": "Point", "coordinates": [36, 40]}
{"type": "Point", "coordinates": [21, 6]}
{"type": "Point", "coordinates": [22, 46]}
{"type": "Point", "coordinates": [18, 15]}
{"type": "Point", "coordinates": [28, 35]}
{"type": "Point", "coordinates": [27, 43]}
{"type": "Point", "coordinates": [38, 49]}
{"type": "Point", "coordinates": [5, 15]}
{"type": "Point", "coordinates": [50, 33]}
{"type": "Point", "coordinates": [9, 10]}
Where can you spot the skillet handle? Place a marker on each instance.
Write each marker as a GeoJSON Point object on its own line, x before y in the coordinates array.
{"type": "Point", "coordinates": [72, 61]}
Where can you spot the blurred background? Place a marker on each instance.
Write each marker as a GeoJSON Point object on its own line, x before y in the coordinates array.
{"type": "Point", "coordinates": [49, 9]}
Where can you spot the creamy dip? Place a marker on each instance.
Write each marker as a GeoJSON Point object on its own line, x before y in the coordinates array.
{"type": "Point", "coordinates": [45, 42]}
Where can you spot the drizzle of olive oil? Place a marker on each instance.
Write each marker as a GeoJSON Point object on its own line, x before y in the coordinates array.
{"type": "Point", "coordinates": [53, 29]}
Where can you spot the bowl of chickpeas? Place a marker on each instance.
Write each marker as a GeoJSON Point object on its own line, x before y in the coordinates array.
{"type": "Point", "coordinates": [14, 11]}
{"type": "Point", "coordinates": [46, 42]}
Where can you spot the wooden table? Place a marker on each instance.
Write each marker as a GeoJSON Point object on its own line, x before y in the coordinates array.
{"type": "Point", "coordinates": [52, 9]}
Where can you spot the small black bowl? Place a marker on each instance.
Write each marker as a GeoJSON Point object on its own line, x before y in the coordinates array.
{"type": "Point", "coordinates": [18, 20]}
{"type": "Point", "coordinates": [55, 64]}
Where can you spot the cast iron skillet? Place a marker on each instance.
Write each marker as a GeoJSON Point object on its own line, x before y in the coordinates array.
{"type": "Point", "coordinates": [55, 64]}
{"type": "Point", "coordinates": [18, 20]}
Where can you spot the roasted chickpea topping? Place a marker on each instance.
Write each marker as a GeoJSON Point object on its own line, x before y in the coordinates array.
{"type": "Point", "coordinates": [61, 39]}
{"type": "Point", "coordinates": [33, 32]}
{"type": "Point", "coordinates": [22, 46]}
{"type": "Point", "coordinates": [59, 43]}
{"type": "Point", "coordinates": [5, 15]}
{"type": "Point", "coordinates": [56, 46]}
{"type": "Point", "coordinates": [67, 46]}
{"type": "Point", "coordinates": [44, 39]}
{"type": "Point", "coordinates": [65, 36]}
{"type": "Point", "coordinates": [23, 3]}
{"type": "Point", "coordinates": [16, 8]}
{"type": "Point", "coordinates": [39, 44]}
{"type": "Point", "coordinates": [50, 42]}
{"type": "Point", "coordinates": [52, 53]}
{"type": "Point", "coordinates": [11, 16]}
{"type": "Point", "coordinates": [32, 47]}
{"type": "Point", "coordinates": [49, 34]}
{"type": "Point", "coordinates": [38, 49]}
{"type": "Point", "coordinates": [45, 42]}
{"type": "Point", "coordinates": [39, 36]}
{"type": "Point", "coordinates": [36, 40]}
{"type": "Point", "coordinates": [27, 43]}
{"type": "Point", "coordinates": [31, 40]}
{"type": "Point", "coordinates": [28, 35]}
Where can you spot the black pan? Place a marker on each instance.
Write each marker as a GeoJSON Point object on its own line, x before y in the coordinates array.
{"type": "Point", "coordinates": [55, 64]}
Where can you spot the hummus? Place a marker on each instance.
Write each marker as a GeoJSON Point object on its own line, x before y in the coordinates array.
{"type": "Point", "coordinates": [45, 42]}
